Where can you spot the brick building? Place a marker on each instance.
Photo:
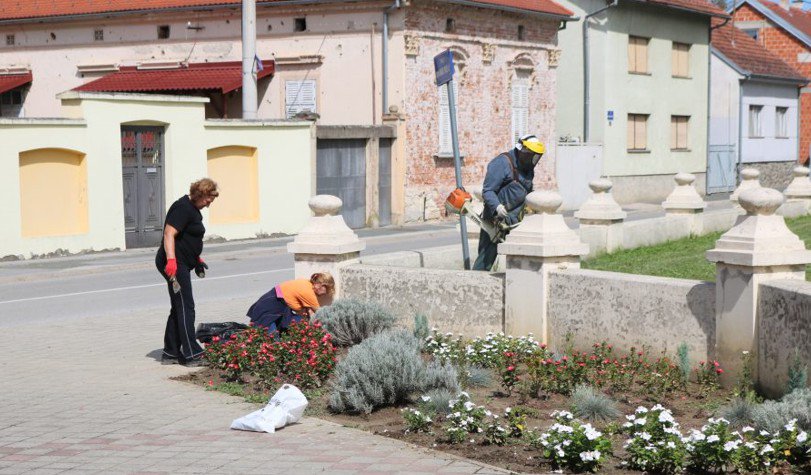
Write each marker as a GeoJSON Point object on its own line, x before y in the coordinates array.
{"type": "Point", "coordinates": [785, 30]}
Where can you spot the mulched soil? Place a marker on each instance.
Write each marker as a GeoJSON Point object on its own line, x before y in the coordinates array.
{"type": "Point", "coordinates": [689, 411]}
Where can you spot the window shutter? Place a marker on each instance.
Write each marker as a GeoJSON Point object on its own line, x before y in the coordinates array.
{"type": "Point", "coordinates": [642, 55]}
{"type": "Point", "coordinates": [641, 140]}
{"type": "Point", "coordinates": [629, 138]}
{"type": "Point", "coordinates": [682, 132]}
{"type": "Point", "coordinates": [520, 107]}
{"type": "Point", "coordinates": [632, 54]}
{"type": "Point", "coordinates": [674, 132]}
{"type": "Point", "coordinates": [300, 96]}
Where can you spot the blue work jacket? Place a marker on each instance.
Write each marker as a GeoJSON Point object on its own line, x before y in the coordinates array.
{"type": "Point", "coordinates": [501, 187]}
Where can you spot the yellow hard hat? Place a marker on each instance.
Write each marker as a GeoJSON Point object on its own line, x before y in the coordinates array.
{"type": "Point", "coordinates": [531, 142]}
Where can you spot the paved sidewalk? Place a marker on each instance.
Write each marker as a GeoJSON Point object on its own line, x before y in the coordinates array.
{"type": "Point", "coordinates": [89, 397]}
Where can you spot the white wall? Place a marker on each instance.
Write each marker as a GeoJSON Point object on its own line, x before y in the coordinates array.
{"type": "Point", "coordinates": [724, 103]}
{"type": "Point", "coordinates": [769, 148]}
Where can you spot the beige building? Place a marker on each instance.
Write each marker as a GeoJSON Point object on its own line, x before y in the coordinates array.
{"type": "Point", "coordinates": [383, 144]}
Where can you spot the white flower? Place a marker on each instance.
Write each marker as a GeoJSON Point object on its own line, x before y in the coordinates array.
{"type": "Point", "coordinates": [766, 449]}
{"type": "Point", "coordinates": [465, 394]}
{"type": "Point", "coordinates": [731, 445]}
{"type": "Point", "coordinates": [591, 433]}
{"type": "Point", "coordinates": [631, 417]}
{"type": "Point", "coordinates": [747, 429]}
{"type": "Point", "coordinates": [713, 438]}
{"type": "Point", "coordinates": [764, 433]}
{"type": "Point", "coordinates": [627, 425]}
{"type": "Point", "coordinates": [671, 445]}
{"type": "Point", "coordinates": [641, 421]}
{"type": "Point", "coordinates": [658, 407]}
{"type": "Point", "coordinates": [792, 424]}
{"type": "Point", "coordinates": [802, 437]}
{"type": "Point", "coordinates": [645, 436]}
{"type": "Point", "coordinates": [469, 406]}
{"type": "Point", "coordinates": [641, 409]}
{"type": "Point", "coordinates": [426, 398]}
{"type": "Point", "coordinates": [665, 416]}
{"type": "Point", "coordinates": [590, 456]}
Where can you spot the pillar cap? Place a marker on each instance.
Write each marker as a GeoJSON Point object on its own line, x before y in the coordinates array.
{"type": "Point", "coordinates": [601, 207]}
{"type": "Point", "coordinates": [326, 233]}
{"type": "Point", "coordinates": [761, 238]}
{"type": "Point", "coordinates": [544, 234]}
{"type": "Point", "coordinates": [749, 179]}
{"type": "Point", "coordinates": [800, 186]}
{"type": "Point", "coordinates": [684, 196]}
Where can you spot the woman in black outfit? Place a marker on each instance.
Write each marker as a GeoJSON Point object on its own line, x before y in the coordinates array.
{"type": "Point", "coordinates": [178, 254]}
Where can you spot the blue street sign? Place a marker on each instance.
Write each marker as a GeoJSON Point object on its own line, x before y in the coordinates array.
{"type": "Point", "coordinates": [443, 67]}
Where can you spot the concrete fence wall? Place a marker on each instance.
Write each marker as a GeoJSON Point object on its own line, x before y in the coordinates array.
{"type": "Point", "coordinates": [631, 310]}
{"type": "Point", "coordinates": [459, 301]}
{"type": "Point", "coordinates": [784, 316]}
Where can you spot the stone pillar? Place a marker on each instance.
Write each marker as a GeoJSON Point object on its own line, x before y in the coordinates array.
{"type": "Point", "coordinates": [750, 178]}
{"type": "Point", "coordinates": [758, 248]}
{"type": "Point", "coordinates": [326, 243]}
{"type": "Point", "coordinates": [601, 219]}
{"type": "Point", "coordinates": [540, 244]}
{"type": "Point", "coordinates": [800, 188]}
{"type": "Point", "coordinates": [684, 200]}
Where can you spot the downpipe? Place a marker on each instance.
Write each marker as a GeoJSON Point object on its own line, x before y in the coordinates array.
{"type": "Point", "coordinates": [385, 55]}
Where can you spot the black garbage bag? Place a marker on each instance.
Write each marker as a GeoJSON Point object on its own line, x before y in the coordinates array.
{"type": "Point", "coordinates": [207, 331]}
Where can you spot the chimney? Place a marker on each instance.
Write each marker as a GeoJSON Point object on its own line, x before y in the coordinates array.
{"type": "Point", "coordinates": [796, 4]}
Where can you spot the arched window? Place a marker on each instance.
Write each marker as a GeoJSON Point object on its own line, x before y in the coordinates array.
{"type": "Point", "coordinates": [444, 119]}
{"type": "Point", "coordinates": [522, 69]}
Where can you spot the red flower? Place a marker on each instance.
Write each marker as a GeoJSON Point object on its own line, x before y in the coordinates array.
{"type": "Point", "coordinates": [719, 371]}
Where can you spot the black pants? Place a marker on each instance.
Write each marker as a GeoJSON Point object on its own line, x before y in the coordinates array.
{"type": "Point", "coordinates": [179, 339]}
{"type": "Point", "coordinates": [488, 251]}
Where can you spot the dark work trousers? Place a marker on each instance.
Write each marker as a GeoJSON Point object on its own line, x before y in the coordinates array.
{"type": "Point", "coordinates": [488, 251]}
{"type": "Point", "coordinates": [272, 313]}
{"type": "Point", "coordinates": [179, 338]}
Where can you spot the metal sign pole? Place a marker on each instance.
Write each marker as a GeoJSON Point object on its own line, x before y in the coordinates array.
{"type": "Point", "coordinates": [457, 162]}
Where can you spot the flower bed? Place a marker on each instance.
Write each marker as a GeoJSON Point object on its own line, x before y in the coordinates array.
{"type": "Point", "coordinates": [527, 408]}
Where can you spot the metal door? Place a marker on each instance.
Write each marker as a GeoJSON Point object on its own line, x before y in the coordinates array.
{"type": "Point", "coordinates": [142, 171]}
{"type": "Point", "coordinates": [577, 164]}
{"type": "Point", "coordinates": [384, 183]}
{"type": "Point", "coordinates": [721, 162]}
{"type": "Point", "coordinates": [341, 171]}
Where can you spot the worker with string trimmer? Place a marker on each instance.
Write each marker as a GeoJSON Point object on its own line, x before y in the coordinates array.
{"type": "Point", "coordinates": [506, 185]}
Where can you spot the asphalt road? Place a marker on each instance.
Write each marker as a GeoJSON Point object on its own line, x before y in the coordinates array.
{"type": "Point", "coordinates": [119, 283]}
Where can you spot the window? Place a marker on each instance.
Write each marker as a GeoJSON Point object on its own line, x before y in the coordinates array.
{"type": "Point", "coordinates": [445, 142]}
{"type": "Point", "coordinates": [520, 32]}
{"type": "Point", "coordinates": [450, 25]}
{"type": "Point", "coordinates": [755, 122]}
{"type": "Point", "coordinates": [520, 105]}
{"type": "Point", "coordinates": [678, 132]}
{"type": "Point", "coordinates": [781, 122]}
{"type": "Point", "coordinates": [681, 60]}
{"type": "Point", "coordinates": [98, 35]}
{"type": "Point", "coordinates": [753, 33]}
{"type": "Point", "coordinates": [10, 41]}
{"type": "Point", "coordinates": [163, 32]}
{"type": "Point", "coordinates": [299, 96]}
{"type": "Point", "coordinates": [637, 132]}
{"type": "Point", "coordinates": [11, 103]}
{"type": "Point", "coordinates": [300, 24]}
{"type": "Point", "coordinates": [637, 55]}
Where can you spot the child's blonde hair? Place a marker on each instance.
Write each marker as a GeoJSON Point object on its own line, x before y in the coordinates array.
{"type": "Point", "coordinates": [325, 279]}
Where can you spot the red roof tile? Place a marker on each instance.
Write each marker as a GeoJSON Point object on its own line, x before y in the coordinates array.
{"type": "Point", "coordinates": [222, 77]}
{"type": "Point", "coordinates": [21, 9]}
{"type": "Point", "coordinates": [699, 6]}
{"type": "Point", "coordinates": [750, 55]}
{"type": "Point", "coordinates": [13, 81]}
{"type": "Point", "coordinates": [800, 19]}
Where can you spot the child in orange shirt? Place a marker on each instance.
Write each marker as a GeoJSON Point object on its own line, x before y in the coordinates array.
{"type": "Point", "coordinates": [291, 301]}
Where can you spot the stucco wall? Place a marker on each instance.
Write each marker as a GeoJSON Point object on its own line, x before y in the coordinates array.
{"type": "Point", "coordinates": [484, 102]}
{"type": "Point", "coordinates": [465, 302]}
{"type": "Point", "coordinates": [768, 147]}
{"type": "Point", "coordinates": [95, 131]}
{"type": "Point", "coordinates": [784, 317]}
{"type": "Point", "coordinates": [632, 310]}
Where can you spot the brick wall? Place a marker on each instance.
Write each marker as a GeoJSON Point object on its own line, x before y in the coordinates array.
{"type": "Point", "coordinates": [484, 103]}
{"type": "Point", "coordinates": [788, 48]}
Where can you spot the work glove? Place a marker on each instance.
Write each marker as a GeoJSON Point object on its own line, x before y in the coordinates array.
{"type": "Point", "coordinates": [501, 211]}
{"type": "Point", "coordinates": [171, 267]}
{"type": "Point", "coordinates": [200, 268]}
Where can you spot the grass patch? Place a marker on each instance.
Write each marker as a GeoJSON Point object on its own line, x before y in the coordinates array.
{"type": "Point", "coordinates": [682, 259]}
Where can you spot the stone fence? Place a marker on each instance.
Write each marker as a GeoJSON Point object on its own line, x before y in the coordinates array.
{"type": "Point", "coordinates": [760, 302]}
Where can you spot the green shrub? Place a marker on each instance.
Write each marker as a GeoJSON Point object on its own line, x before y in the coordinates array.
{"type": "Point", "coordinates": [479, 377]}
{"type": "Point", "coordinates": [437, 401]}
{"type": "Point", "coordinates": [740, 412]}
{"type": "Point", "coordinates": [684, 361]}
{"type": "Point", "coordinates": [589, 404]}
{"type": "Point", "coordinates": [383, 370]}
{"type": "Point", "coordinates": [421, 329]}
{"type": "Point", "coordinates": [351, 321]}
{"type": "Point", "coordinates": [773, 415]}
{"type": "Point", "coordinates": [797, 373]}
{"type": "Point", "coordinates": [441, 376]}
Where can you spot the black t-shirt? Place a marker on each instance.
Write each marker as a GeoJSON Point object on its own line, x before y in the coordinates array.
{"type": "Point", "coordinates": [188, 221]}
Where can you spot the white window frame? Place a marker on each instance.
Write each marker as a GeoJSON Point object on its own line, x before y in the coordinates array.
{"type": "Point", "coordinates": [299, 96]}
{"type": "Point", "coordinates": [781, 122]}
{"type": "Point", "coordinates": [519, 94]}
{"type": "Point", "coordinates": [755, 121]}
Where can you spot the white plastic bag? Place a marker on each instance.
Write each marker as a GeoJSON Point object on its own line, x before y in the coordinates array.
{"type": "Point", "coordinates": [285, 407]}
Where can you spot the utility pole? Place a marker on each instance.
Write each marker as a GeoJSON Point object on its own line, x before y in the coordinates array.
{"type": "Point", "coordinates": [249, 100]}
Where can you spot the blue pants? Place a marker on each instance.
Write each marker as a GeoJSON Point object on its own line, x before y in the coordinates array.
{"type": "Point", "coordinates": [272, 313]}
{"type": "Point", "coordinates": [488, 251]}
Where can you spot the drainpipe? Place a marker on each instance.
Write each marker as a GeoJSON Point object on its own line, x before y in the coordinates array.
{"type": "Point", "coordinates": [740, 128]}
{"type": "Point", "coordinates": [586, 79]}
{"type": "Point", "coordinates": [249, 101]}
{"type": "Point", "coordinates": [385, 52]}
